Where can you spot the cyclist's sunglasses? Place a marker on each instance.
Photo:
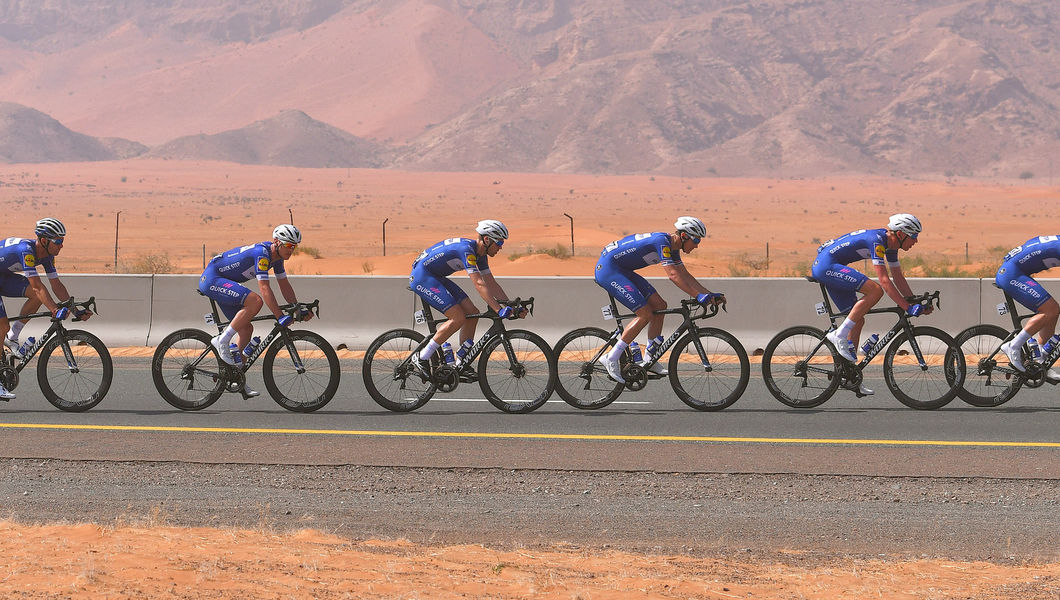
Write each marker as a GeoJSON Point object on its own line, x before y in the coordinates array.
{"type": "Point", "coordinates": [56, 241]}
{"type": "Point", "coordinates": [288, 245]}
{"type": "Point", "coordinates": [910, 236]}
{"type": "Point", "coordinates": [496, 242]}
{"type": "Point", "coordinates": [693, 238]}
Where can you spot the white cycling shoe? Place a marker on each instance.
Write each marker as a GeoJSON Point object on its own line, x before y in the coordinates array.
{"type": "Point", "coordinates": [864, 391]}
{"type": "Point", "coordinates": [844, 346]}
{"type": "Point", "coordinates": [656, 368]}
{"type": "Point", "coordinates": [1052, 376]}
{"type": "Point", "coordinates": [250, 393]}
{"type": "Point", "coordinates": [13, 346]}
{"type": "Point", "coordinates": [614, 369]}
{"type": "Point", "coordinates": [222, 350]}
{"type": "Point", "coordinates": [1014, 357]}
{"type": "Point", "coordinates": [6, 395]}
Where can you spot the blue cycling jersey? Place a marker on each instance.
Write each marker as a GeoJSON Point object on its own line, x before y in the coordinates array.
{"type": "Point", "coordinates": [19, 255]}
{"type": "Point", "coordinates": [859, 245]}
{"type": "Point", "coordinates": [247, 262]}
{"type": "Point", "coordinates": [451, 255]}
{"type": "Point", "coordinates": [641, 250]}
{"type": "Point", "coordinates": [1034, 255]}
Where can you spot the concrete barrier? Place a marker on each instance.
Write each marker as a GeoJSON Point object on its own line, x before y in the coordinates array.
{"type": "Point", "coordinates": [142, 309]}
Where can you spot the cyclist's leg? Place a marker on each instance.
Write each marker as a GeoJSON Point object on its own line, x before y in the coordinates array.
{"type": "Point", "coordinates": [624, 287]}
{"type": "Point", "coordinates": [231, 298]}
{"type": "Point", "coordinates": [14, 285]}
{"type": "Point", "coordinates": [444, 296]}
{"type": "Point", "coordinates": [843, 283]}
{"type": "Point", "coordinates": [871, 292]}
{"type": "Point", "coordinates": [1029, 293]}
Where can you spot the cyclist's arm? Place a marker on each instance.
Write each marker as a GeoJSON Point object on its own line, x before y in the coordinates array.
{"type": "Point", "coordinates": [36, 287]}
{"type": "Point", "coordinates": [680, 276]}
{"type": "Point", "coordinates": [269, 297]}
{"type": "Point", "coordinates": [889, 286]}
{"type": "Point", "coordinates": [288, 294]}
{"type": "Point", "coordinates": [487, 287]}
{"type": "Point", "coordinates": [59, 288]}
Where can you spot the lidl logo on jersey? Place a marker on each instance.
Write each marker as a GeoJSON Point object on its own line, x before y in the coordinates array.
{"type": "Point", "coordinates": [263, 264]}
{"type": "Point", "coordinates": [30, 260]}
{"type": "Point", "coordinates": [880, 251]}
{"type": "Point", "coordinates": [472, 260]}
{"type": "Point", "coordinates": [666, 252]}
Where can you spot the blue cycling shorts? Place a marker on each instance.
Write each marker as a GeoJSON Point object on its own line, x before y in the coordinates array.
{"type": "Point", "coordinates": [841, 281]}
{"type": "Point", "coordinates": [12, 285]}
{"type": "Point", "coordinates": [1023, 288]}
{"type": "Point", "coordinates": [230, 295]}
{"type": "Point", "coordinates": [439, 292]}
{"type": "Point", "coordinates": [631, 290]}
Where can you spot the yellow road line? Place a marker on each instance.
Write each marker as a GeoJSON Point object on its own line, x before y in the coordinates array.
{"type": "Point", "coordinates": [534, 436]}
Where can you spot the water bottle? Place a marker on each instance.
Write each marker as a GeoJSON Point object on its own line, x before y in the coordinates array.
{"type": "Point", "coordinates": [1047, 349]}
{"type": "Point", "coordinates": [869, 343]}
{"type": "Point", "coordinates": [26, 346]}
{"type": "Point", "coordinates": [1036, 351]}
{"type": "Point", "coordinates": [236, 354]}
{"type": "Point", "coordinates": [252, 346]}
{"type": "Point", "coordinates": [464, 348]}
{"type": "Point", "coordinates": [635, 349]}
{"type": "Point", "coordinates": [654, 344]}
{"type": "Point", "coordinates": [447, 353]}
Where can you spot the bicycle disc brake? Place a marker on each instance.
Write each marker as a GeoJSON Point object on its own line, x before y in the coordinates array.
{"type": "Point", "coordinates": [9, 378]}
{"type": "Point", "coordinates": [446, 378]}
{"type": "Point", "coordinates": [636, 377]}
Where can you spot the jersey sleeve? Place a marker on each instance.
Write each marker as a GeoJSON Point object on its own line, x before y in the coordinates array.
{"type": "Point", "coordinates": [667, 255]}
{"type": "Point", "coordinates": [29, 263]}
{"type": "Point", "coordinates": [262, 264]}
{"type": "Point", "coordinates": [49, 267]}
{"type": "Point", "coordinates": [279, 269]}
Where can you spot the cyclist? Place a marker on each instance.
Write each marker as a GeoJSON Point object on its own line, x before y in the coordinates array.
{"type": "Point", "coordinates": [881, 246]}
{"type": "Point", "coordinates": [223, 278]}
{"type": "Point", "coordinates": [430, 281]}
{"type": "Point", "coordinates": [1035, 255]}
{"type": "Point", "coordinates": [615, 272]}
{"type": "Point", "coordinates": [19, 259]}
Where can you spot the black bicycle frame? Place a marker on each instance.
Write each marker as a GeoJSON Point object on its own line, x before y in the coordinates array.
{"type": "Point", "coordinates": [1012, 309]}
{"type": "Point", "coordinates": [56, 328]}
{"type": "Point", "coordinates": [903, 324]}
{"type": "Point", "coordinates": [497, 329]}
{"type": "Point", "coordinates": [266, 341]}
{"type": "Point", "coordinates": [688, 324]}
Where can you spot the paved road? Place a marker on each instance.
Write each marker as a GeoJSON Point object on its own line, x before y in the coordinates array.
{"type": "Point", "coordinates": [855, 475]}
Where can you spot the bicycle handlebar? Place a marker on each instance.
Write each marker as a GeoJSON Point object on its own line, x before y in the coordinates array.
{"type": "Point", "coordinates": [518, 304]}
{"type": "Point", "coordinates": [926, 299]}
{"type": "Point", "coordinates": [709, 310]}
{"type": "Point", "coordinates": [295, 310]}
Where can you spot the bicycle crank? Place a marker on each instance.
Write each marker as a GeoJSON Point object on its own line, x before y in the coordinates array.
{"type": "Point", "coordinates": [9, 378]}
{"type": "Point", "coordinates": [636, 377]}
{"type": "Point", "coordinates": [235, 379]}
{"type": "Point", "coordinates": [446, 378]}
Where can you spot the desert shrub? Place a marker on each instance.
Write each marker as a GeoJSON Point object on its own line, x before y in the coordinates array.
{"type": "Point", "coordinates": [308, 251]}
{"type": "Point", "coordinates": [148, 263]}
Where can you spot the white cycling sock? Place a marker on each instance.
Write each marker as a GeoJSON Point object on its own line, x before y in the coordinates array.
{"type": "Point", "coordinates": [1021, 338]}
{"type": "Point", "coordinates": [617, 351]}
{"type": "Point", "coordinates": [429, 350]}
{"type": "Point", "coordinates": [227, 335]}
{"type": "Point", "coordinates": [16, 330]}
{"type": "Point", "coordinates": [845, 329]}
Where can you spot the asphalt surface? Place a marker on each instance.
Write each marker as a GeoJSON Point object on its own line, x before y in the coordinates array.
{"type": "Point", "coordinates": [865, 476]}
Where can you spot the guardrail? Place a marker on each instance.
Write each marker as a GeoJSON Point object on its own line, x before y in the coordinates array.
{"type": "Point", "coordinates": [138, 310]}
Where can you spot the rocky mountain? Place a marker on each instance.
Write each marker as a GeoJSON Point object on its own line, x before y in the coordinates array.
{"type": "Point", "coordinates": [28, 135]}
{"type": "Point", "coordinates": [693, 87]}
{"type": "Point", "coordinates": [291, 138]}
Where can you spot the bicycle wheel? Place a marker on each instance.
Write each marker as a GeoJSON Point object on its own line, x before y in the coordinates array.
{"type": "Point", "coordinates": [581, 381]}
{"type": "Point", "coordinates": [389, 376]}
{"type": "Point", "coordinates": [75, 371]}
{"type": "Point", "coordinates": [987, 383]}
{"type": "Point", "coordinates": [714, 388]}
{"type": "Point", "coordinates": [186, 370]}
{"type": "Point", "coordinates": [521, 386]}
{"type": "Point", "coordinates": [302, 372]}
{"type": "Point", "coordinates": [800, 367]}
{"type": "Point", "coordinates": [937, 382]}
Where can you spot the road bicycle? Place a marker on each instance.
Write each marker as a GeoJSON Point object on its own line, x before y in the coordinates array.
{"type": "Point", "coordinates": [74, 370]}
{"type": "Point", "coordinates": [300, 368]}
{"type": "Point", "coordinates": [923, 366]}
{"type": "Point", "coordinates": [708, 368]}
{"type": "Point", "coordinates": [516, 368]}
{"type": "Point", "coordinates": [990, 383]}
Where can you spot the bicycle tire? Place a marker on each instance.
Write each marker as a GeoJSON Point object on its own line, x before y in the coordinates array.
{"type": "Point", "coordinates": [580, 382]}
{"type": "Point", "coordinates": [307, 389]}
{"type": "Point", "coordinates": [81, 390]}
{"type": "Point", "coordinates": [181, 384]}
{"type": "Point", "coordinates": [532, 377]}
{"type": "Point", "coordinates": [721, 386]}
{"type": "Point", "coordinates": [924, 388]}
{"type": "Point", "coordinates": [386, 362]}
{"type": "Point", "coordinates": [787, 367]}
{"type": "Point", "coordinates": [977, 343]}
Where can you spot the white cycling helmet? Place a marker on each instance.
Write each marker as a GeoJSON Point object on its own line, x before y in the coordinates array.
{"type": "Point", "coordinates": [492, 229]}
{"type": "Point", "coordinates": [287, 233]}
{"type": "Point", "coordinates": [692, 226]}
{"type": "Point", "coordinates": [50, 228]}
{"type": "Point", "coordinates": [906, 223]}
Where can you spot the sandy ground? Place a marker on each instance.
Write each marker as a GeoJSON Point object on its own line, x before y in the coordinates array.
{"type": "Point", "coordinates": [185, 211]}
{"type": "Point", "coordinates": [172, 215]}
{"type": "Point", "coordinates": [92, 561]}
